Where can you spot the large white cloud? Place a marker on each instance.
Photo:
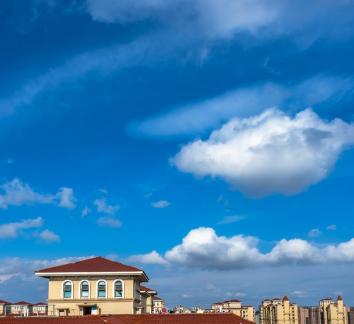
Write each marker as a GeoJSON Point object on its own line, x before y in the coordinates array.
{"type": "Point", "coordinates": [269, 153]}
{"type": "Point", "coordinates": [203, 248]}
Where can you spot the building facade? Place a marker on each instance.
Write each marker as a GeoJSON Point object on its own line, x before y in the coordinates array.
{"type": "Point", "coordinates": [235, 306]}
{"type": "Point", "coordinates": [95, 286]}
{"type": "Point", "coordinates": [309, 315]}
{"type": "Point", "coordinates": [146, 300]}
{"type": "Point", "coordinates": [3, 304]}
{"type": "Point", "coordinates": [158, 305]}
{"type": "Point", "coordinates": [350, 315]}
{"type": "Point", "coordinates": [332, 312]}
{"type": "Point", "coordinates": [278, 311]}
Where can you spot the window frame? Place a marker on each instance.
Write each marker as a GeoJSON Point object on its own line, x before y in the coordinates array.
{"type": "Point", "coordinates": [89, 289]}
{"type": "Point", "coordinates": [97, 284]}
{"type": "Point", "coordinates": [114, 288]}
{"type": "Point", "coordinates": [72, 289]}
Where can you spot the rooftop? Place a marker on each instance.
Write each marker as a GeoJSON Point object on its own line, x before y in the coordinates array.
{"type": "Point", "coordinates": [93, 265]}
{"type": "Point", "coordinates": [132, 319]}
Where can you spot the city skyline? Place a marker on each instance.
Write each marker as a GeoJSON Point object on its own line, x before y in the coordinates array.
{"type": "Point", "coordinates": [208, 142]}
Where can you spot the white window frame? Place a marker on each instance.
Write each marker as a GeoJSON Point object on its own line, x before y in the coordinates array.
{"type": "Point", "coordinates": [105, 282]}
{"type": "Point", "coordinates": [114, 288]}
{"type": "Point", "coordinates": [72, 289]}
{"type": "Point", "coordinates": [89, 289]}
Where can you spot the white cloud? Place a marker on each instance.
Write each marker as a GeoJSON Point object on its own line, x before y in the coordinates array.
{"type": "Point", "coordinates": [66, 198]}
{"type": "Point", "coordinates": [12, 230]}
{"type": "Point", "coordinates": [269, 153]}
{"type": "Point", "coordinates": [315, 232]}
{"type": "Point", "coordinates": [49, 236]}
{"type": "Point", "coordinates": [17, 193]}
{"type": "Point", "coordinates": [231, 219]}
{"type": "Point", "coordinates": [85, 211]}
{"type": "Point", "coordinates": [215, 19]}
{"type": "Point", "coordinates": [109, 221]}
{"type": "Point", "coordinates": [150, 258]}
{"type": "Point", "coordinates": [196, 117]}
{"type": "Point", "coordinates": [203, 248]}
{"type": "Point", "coordinates": [160, 204]}
{"type": "Point", "coordinates": [103, 207]}
{"type": "Point", "coordinates": [332, 227]}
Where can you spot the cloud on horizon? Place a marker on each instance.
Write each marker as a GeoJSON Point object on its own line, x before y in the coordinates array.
{"type": "Point", "coordinates": [202, 248]}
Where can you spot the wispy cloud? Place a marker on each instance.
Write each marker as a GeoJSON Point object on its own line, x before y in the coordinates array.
{"type": "Point", "coordinates": [109, 221]}
{"type": "Point", "coordinates": [231, 219]}
{"type": "Point", "coordinates": [315, 232]}
{"type": "Point", "coordinates": [160, 204]}
{"type": "Point", "coordinates": [195, 118]}
{"type": "Point", "coordinates": [269, 153]}
{"type": "Point", "coordinates": [48, 236]}
{"type": "Point", "coordinates": [12, 230]}
{"type": "Point", "coordinates": [18, 193]}
{"type": "Point", "coordinates": [103, 207]}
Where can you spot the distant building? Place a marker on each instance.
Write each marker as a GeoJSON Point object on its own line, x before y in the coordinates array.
{"type": "Point", "coordinates": [146, 299]}
{"type": "Point", "coordinates": [309, 315]}
{"type": "Point", "coordinates": [95, 286]}
{"type": "Point", "coordinates": [158, 305]}
{"type": "Point", "coordinates": [278, 311]}
{"type": "Point", "coordinates": [351, 315]}
{"type": "Point", "coordinates": [333, 312]}
{"type": "Point", "coordinates": [3, 304]}
{"type": "Point", "coordinates": [21, 308]}
{"type": "Point", "coordinates": [39, 309]}
{"type": "Point", "coordinates": [179, 309]}
{"type": "Point", "coordinates": [235, 306]}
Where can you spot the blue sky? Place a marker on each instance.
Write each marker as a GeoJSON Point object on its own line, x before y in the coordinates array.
{"type": "Point", "coordinates": [208, 142]}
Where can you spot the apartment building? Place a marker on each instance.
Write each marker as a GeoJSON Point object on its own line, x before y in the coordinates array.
{"type": "Point", "coordinates": [333, 312]}
{"type": "Point", "coordinates": [96, 286]}
{"type": "Point", "coordinates": [309, 315]}
{"type": "Point", "coordinates": [350, 315]}
{"type": "Point", "coordinates": [158, 305]}
{"type": "Point", "coordinates": [278, 311]}
{"type": "Point", "coordinates": [3, 304]}
{"type": "Point", "coordinates": [39, 309]}
{"type": "Point", "coordinates": [235, 306]}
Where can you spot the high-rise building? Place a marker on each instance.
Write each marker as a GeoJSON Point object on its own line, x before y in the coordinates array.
{"type": "Point", "coordinates": [333, 312]}
{"type": "Point", "coordinates": [351, 315]}
{"type": "Point", "coordinates": [278, 311]}
{"type": "Point", "coordinates": [309, 315]}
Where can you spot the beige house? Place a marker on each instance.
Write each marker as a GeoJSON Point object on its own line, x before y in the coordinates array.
{"type": "Point", "coordinates": [235, 306]}
{"type": "Point", "coordinates": [3, 304]}
{"type": "Point", "coordinates": [94, 286]}
{"type": "Point", "coordinates": [147, 296]}
{"type": "Point", "coordinates": [333, 312]}
{"type": "Point", "coordinates": [39, 309]}
{"type": "Point", "coordinates": [21, 308]}
{"type": "Point", "coordinates": [158, 305]}
{"type": "Point", "coordinates": [278, 311]}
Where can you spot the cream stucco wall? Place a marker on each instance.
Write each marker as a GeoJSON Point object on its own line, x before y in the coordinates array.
{"type": "Point", "coordinates": [129, 304]}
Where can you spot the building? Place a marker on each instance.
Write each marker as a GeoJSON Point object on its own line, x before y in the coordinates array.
{"type": "Point", "coordinates": [278, 311]}
{"type": "Point", "coordinates": [21, 308]}
{"type": "Point", "coordinates": [93, 286]}
{"type": "Point", "coordinates": [146, 300]}
{"type": "Point", "coordinates": [40, 309]}
{"type": "Point", "coordinates": [333, 312]}
{"type": "Point", "coordinates": [351, 315]}
{"type": "Point", "coordinates": [158, 305]}
{"type": "Point", "coordinates": [234, 306]}
{"type": "Point", "coordinates": [3, 304]}
{"type": "Point", "coordinates": [309, 315]}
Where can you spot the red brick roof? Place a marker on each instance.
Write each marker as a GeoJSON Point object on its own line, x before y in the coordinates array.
{"type": "Point", "coordinates": [132, 319]}
{"type": "Point", "coordinates": [97, 264]}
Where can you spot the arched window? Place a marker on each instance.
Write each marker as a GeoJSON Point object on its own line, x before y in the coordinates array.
{"type": "Point", "coordinates": [84, 289]}
{"type": "Point", "coordinates": [67, 289]}
{"type": "Point", "coordinates": [101, 289]}
{"type": "Point", "coordinates": [118, 289]}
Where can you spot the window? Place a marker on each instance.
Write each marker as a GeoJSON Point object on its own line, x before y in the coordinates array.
{"type": "Point", "coordinates": [101, 289]}
{"type": "Point", "coordinates": [85, 289]}
{"type": "Point", "coordinates": [118, 289]}
{"type": "Point", "coordinates": [67, 289]}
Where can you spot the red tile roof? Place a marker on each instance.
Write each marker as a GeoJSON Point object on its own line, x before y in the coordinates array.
{"type": "Point", "coordinates": [146, 289]}
{"type": "Point", "coordinates": [22, 302]}
{"type": "Point", "coordinates": [3, 302]}
{"type": "Point", "coordinates": [132, 319]}
{"type": "Point", "coordinates": [97, 264]}
{"type": "Point", "coordinates": [156, 298]}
